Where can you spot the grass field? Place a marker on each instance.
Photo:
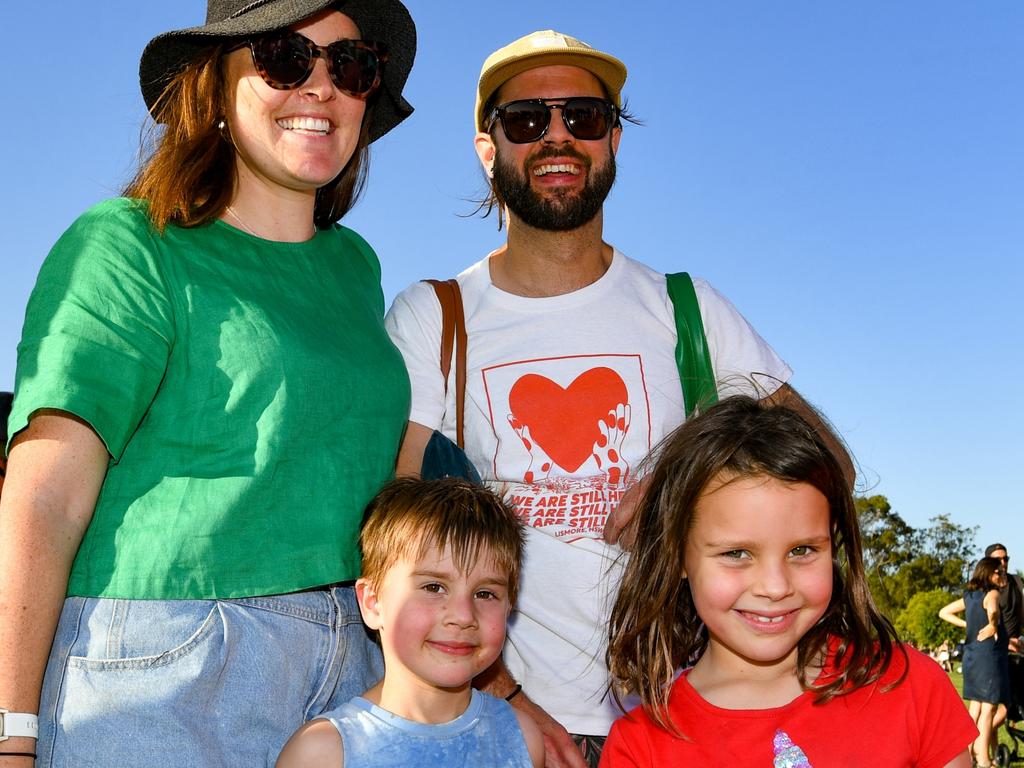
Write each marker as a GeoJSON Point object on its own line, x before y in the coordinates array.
{"type": "Point", "coordinates": [1004, 737]}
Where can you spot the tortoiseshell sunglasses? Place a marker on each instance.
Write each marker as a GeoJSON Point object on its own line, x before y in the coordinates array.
{"type": "Point", "coordinates": [285, 60]}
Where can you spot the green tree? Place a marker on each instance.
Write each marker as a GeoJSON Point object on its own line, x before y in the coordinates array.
{"type": "Point", "coordinates": [920, 624]}
{"type": "Point", "coordinates": [888, 544]}
{"type": "Point", "coordinates": [901, 561]}
{"type": "Point", "coordinates": [949, 542]}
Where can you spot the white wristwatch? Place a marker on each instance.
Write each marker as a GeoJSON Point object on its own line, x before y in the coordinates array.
{"type": "Point", "coordinates": [18, 724]}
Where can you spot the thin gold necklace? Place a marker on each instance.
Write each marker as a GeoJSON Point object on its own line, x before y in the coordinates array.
{"type": "Point", "coordinates": [241, 223]}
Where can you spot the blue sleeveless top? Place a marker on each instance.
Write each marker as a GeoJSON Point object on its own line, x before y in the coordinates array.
{"type": "Point", "coordinates": [486, 735]}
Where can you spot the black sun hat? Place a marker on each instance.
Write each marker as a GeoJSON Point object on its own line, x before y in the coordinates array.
{"type": "Point", "coordinates": [385, 21]}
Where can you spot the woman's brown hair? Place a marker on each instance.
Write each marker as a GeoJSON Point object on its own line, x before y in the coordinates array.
{"type": "Point", "coordinates": [655, 629]}
{"type": "Point", "coordinates": [188, 177]}
{"type": "Point", "coordinates": [981, 579]}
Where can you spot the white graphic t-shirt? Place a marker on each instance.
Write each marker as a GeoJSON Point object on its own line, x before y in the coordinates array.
{"type": "Point", "coordinates": [565, 398]}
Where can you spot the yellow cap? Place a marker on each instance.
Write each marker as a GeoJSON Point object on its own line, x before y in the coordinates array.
{"type": "Point", "coordinates": [543, 49]}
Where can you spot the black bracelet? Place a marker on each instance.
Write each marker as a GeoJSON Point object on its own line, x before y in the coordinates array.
{"type": "Point", "coordinates": [515, 692]}
{"type": "Point", "coordinates": [18, 754]}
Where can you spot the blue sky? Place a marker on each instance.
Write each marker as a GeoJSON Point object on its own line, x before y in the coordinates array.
{"type": "Point", "coordinates": [851, 175]}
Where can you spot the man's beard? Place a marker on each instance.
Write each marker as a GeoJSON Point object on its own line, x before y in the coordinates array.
{"type": "Point", "coordinates": [559, 210]}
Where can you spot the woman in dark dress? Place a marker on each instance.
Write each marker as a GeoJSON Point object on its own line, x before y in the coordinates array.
{"type": "Point", "coordinates": [986, 653]}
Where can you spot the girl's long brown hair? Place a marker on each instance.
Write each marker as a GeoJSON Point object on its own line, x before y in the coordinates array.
{"type": "Point", "coordinates": [654, 628]}
{"type": "Point", "coordinates": [188, 177]}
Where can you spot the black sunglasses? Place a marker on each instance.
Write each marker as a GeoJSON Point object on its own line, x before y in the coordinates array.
{"type": "Point", "coordinates": [586, 117]}
{"type": "Point", "coordinates": [285, 60]}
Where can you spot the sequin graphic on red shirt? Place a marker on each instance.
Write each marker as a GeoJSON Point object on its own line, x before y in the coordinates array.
{"type": "Point", "coordinates": [788, 754]}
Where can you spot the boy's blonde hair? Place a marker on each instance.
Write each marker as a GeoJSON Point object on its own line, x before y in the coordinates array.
{"type": "Point", "coordinates": [410, 515]}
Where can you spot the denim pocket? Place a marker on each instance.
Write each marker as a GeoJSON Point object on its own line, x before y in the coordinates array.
{"type": "Point", "coordinates": [203, 684]}
{"type": "Point", "coordinates": [125, 693]}
{"type": "Point", "coordinates": [142, 634]}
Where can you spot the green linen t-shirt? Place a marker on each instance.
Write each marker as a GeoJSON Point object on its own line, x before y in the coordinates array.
{"type": "Point", "coordinates": [246, 390]}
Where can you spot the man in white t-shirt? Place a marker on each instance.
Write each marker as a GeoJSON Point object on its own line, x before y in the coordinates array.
{"type": "Point", "coordinates": [571, 374]}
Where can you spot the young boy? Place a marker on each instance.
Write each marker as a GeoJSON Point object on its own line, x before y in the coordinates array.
{"type": "Point", "coordinates": [440, 574]}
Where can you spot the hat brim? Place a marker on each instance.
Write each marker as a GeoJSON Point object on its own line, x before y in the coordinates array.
{"type": "Point", "coordinates": [386, 21]}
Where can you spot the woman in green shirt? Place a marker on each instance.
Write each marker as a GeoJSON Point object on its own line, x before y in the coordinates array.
{"type": "Point", "coordinates": [206, 399]}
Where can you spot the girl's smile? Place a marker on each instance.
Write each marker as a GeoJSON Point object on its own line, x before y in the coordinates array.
{"type": "Point", "coordinates": [759, 565]}
{"type": "Point", "coordinates": [767, 622]}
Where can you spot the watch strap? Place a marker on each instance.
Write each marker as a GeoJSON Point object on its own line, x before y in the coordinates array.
{"type": "Point", "coordinates": [18, 724]}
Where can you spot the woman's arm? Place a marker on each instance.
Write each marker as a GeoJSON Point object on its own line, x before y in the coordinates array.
{"type": "Point", "coordinates": [949, 613]}
{"type": "Point", "coordinates": [991, 604]}
{"type": "Point", "coordinates": [414, 445]}
{"type": "Point", "coordinates": [56, 467]}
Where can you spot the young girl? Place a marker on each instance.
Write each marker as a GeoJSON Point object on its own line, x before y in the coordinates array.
{"type": "Point", "coordinates": [986, 653]}
{"type": "Point", "coordinates": [748, 559]}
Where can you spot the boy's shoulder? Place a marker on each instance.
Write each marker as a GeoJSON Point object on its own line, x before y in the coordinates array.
{"type": "Point", "coordinates": [320, 744]}
{"type": "Point", "coordinates": [317, 744]}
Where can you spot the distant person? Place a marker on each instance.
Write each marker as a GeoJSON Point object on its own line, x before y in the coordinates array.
{"type": "Point", "coordinates": [1011, 596]}
{"type": "Point", "coordinates": [1011, 606]}
{"type": "Point", "coordinates": [748, 559]}
{"type": "Point", "coordinates": [942, 656]}
{"type": "Point", "coordinates": [571, 370]}
{"type": "Point", "coordinates": [206, 401]}
{"type": "Point", "coordinates": [985, 661]}
{"type": "Point", "coordinates": [5, 411]}
{"type": "Point", "coordinates": [441, 563]}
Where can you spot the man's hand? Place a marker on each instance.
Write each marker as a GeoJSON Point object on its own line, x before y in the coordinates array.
{"type": "Point", "coordinates": [560, 751]}
{"type": "Point", "coordinates": [620, 527]}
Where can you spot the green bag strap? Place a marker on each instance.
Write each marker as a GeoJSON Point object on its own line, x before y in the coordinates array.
{"type": "Point", "coordinates": [693, 358]}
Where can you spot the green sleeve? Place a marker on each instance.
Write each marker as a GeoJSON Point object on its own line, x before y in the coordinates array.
{"type": "Point", "coordinates": [98, 327]}
{"type": "Point", "coordinates": [366, 252]}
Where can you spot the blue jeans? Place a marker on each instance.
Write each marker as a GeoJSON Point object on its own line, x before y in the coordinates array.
{"type": "Point", "coordinates": [159, 683]}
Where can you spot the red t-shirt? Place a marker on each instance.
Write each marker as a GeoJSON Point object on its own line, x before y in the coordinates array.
{"type": "Point", "coordinates": [921, 723]}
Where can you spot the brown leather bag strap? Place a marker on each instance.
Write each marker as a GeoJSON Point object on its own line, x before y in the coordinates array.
{"type": "Point", "coordinates": [453, 337]}
{"type": "Point", "coordinates": [445, 299]}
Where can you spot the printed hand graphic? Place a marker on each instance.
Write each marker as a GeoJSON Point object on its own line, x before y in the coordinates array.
{"type": "Point", "coordinates": [538, 457]}
{"type": "Point", "coordinates": [608, 448]}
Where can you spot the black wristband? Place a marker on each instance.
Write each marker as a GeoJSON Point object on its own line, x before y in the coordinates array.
{"type": "Point", "coordinates": [515, 692]}
{"type": "Point", "coordinates": [18, 754]}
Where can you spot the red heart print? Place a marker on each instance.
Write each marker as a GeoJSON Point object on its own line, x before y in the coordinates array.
{"type": "Point", "coordinates": [563, 421]}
